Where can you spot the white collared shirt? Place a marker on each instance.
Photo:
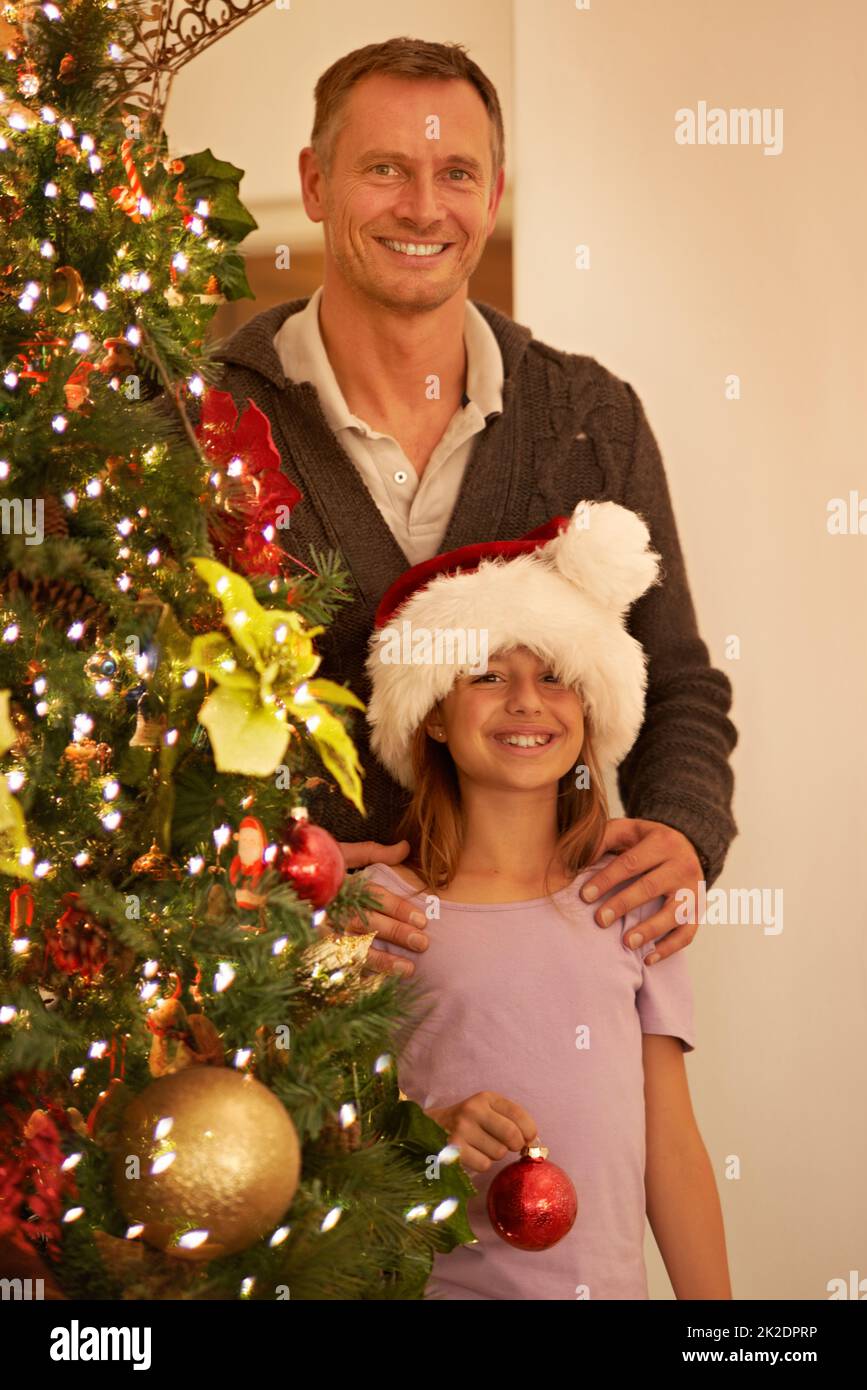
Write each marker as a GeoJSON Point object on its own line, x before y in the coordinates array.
{"type": "Point", "coordinates": [416, 509]}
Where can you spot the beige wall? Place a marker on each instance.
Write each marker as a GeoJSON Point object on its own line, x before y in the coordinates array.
{"type": "Point", "coordinates": [708, 261]}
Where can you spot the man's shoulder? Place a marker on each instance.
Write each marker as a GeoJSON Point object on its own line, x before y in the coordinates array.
{"type": "Point", "coordinates": [251, 347]}
{"type": "Point", "coordinates": [561, 374]}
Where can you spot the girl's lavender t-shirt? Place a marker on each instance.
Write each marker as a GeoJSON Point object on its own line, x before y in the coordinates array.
{"type": "Point", "coordinates": [546, 1008]}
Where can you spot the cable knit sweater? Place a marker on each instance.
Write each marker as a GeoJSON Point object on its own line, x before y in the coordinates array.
{"type": "Point", "coordinates": [569, 430]}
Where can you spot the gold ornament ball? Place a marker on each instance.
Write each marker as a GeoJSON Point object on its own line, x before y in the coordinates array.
{"type": "Point", "coordinates": [235, 1168]}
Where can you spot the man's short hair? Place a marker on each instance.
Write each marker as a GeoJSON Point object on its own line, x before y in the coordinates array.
{"type": "Point", "coordinates": [401, 57]}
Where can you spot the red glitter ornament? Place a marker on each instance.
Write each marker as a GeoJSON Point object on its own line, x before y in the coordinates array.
{"type": "Point", "coordinates": [312, 861]}
{"type": "Point", "coordinates": [532, 1203]}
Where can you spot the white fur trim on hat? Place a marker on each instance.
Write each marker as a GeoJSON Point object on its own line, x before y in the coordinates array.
{"type": "Point", "coordinates": [565, 601]}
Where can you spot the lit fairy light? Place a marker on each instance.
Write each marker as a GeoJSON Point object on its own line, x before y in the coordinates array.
{"type": "Point", "coordinates": [247, 1286]}
{"type": "Point", "coordinates": [222, 584]}
{"type": "Point", "coordinates": [111, 791]}
{"type": "Point", "coordinates": [51, 12]}
{"type": "Point", "coordinates": [42, 869]}
{"type": "Point", "coordinates": [15, 779]}
{"type": "Point", "coordinates": [195, 865]}
{"type": "Point", "coordinates": [10, 380]}
{"type": "Point", "coordinates": [103, 687]}
{"type": "Point", "coordinates": [111, 820]}
{"type": "Point", "coordinates": [235, 467]}
{"type": "Point", "coordinates": [4, 469]}
{"type": "Point", "coordinates": [51, 190]}
{"type": "Point", "coordinates": [88, 143]}
{"type": "Point", "coordinates": [162, 1162]}
{"type": "Point", "coordinates": [193, 1239]}
{"type": "Point", "coordinates": [67, 130]}
{"type": "Point", "coordinates": [124, 552]}
{"type": "Point", "coordinates": [72, 1161]}
{"type": "Point", "coordinates": [228, 663]}
{"type": "Point", "coordinates": [203, 207]}
{"type": "Point", "coordinates": [133, 335]}
{"type": "Point", "coordinates": [145, 206]}
{"type": "Point", "coordinates": [347, 1115]}
{"type": "Point", "coordinates": [10, 633]}
{"type": "Point", "coordinates": [40, 685]}
{"type": "Point", "coordinates": [190, 677]}
{"type": "Point", "coordinates": [141, 281]}
{"type": "Point", "coordinates": [318, 917]}
{"type": "Point", "coordinates": [115, 53]}
{"type": "Point", "coordinates": [74, 1212]}
{"type": "Point", "coordinates": [26, 856]}
{"type": "Point", "coordinates": [76, 1076]}
{"type": "Point", "coordinates": [150, 968]}
{"type": "Point", "coordinates": [81, 342]}
{"type": "Point", "coordinates": [133, 1232]}
{"type": "Point", "coordinates": [95, 163]}
{"type": "Point", "coordinates": [70, 500]}
{"type": "Point", "coordinates": [42, 709]}
{"type": "Point", "coordinates": [163, 1127]}
{"type": "Point", "coordinates": [450, 1154]}
{"type": "Point", "coordinates": [269, 854]}
{"type": "Point", "coordinates": [331, 1220]}
{"type": "Point", "coordinates": [153, 556]}
{"type": "Point", "coordinates": [224, 976]}
{"type": "Point", "coordinates": [279, 946]}
{"type": "Point", "coordinates": [170, 737]}
{"type": "Point", "coordinates": [97, 1049]}
{"type": "Point", "coordinates": [125, 281]}
{"type": "Point", "coordinates": [195, 225]}
{"type": "Point", "coordinates": [279, 1235]}
{"type": "Point", "coordinates": [20, 946]}
{"type": "Point", "coordinates": [82, 725]}
{"type": "Point", "coordinates": [445, 1209]}
{"type": "Point", "coordinates": [18, 121]}
{"type": "Point", "coordinates": [180, 262]}
{"type": "Point", "coordinates": [93, 487]}
{"type": "Point", "coordinates": [26, 303]}
{"type": "Point", "coordinates": [75, 632]}
{"type": "Point", "coordinates": [123, 582]}
{"type": "Point", "coordinates": [142, 664]}
{"type": "Point", "coordinates": [59, 423]}
{"type": "Point", "coordinates": [222, 836]}
{"type": "Point", "coordinates": [7, 1013]}
{"type": "Point", "coordinates": [416, 1213]}
{"type": "Point", "coordinates": [239, 618]}
{"type": "Point", "coordinates": [281, 632]}
{"type": "Point", "coordinates": [47, 251]}
{"type": "Point", "coordinates": [384, 1062]}
{"type": "Point", "coordinates": [196, 385]}
{"type": "Point", "coordinates": [313, 722]}
{"type": "Point", "coordinates": [242, 1056]}
{"type": "Point", "coordinates": [87, 200]}
{"type": "Point", "coordinates": [100, 299]}
{"type": "Point", "coordinates": [4, 144]}
{"type": "Point", "coordinates": [148, 991]}
{"type": "Point", "coordinates": [48, 114]}
{"type": "Point", "coordinates": [82, 859]}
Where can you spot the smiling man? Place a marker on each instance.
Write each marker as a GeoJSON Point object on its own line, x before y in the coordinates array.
{"type": "Point", "coordinates": [415, 421]}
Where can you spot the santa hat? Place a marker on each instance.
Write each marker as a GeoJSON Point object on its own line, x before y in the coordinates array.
{"type": "Point", "coordinates": [562, 590]}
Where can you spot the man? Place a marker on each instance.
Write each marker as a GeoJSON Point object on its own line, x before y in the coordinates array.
{"type": "Point", "coordinates": [414, 422]}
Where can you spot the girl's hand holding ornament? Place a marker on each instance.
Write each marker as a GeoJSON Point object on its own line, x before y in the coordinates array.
{"type": "Point", "coordinates": [485, 1127]}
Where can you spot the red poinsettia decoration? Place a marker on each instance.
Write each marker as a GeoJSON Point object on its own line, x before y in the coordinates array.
{"type": "Point", "coordinates": [31, 1179]}
{"type": "Point", "coordinates": [250, 497]}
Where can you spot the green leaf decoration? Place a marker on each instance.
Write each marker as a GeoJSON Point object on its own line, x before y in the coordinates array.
{"type": "Point", "coordinates": [205, 176]}
{"type": "Point", "coordinates": [261, 670]}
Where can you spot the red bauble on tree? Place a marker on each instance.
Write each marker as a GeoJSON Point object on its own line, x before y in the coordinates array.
{"type": "Point", "coordinates": [312, 861]}
{"type": "Point", "coordinates": [532, 1203]}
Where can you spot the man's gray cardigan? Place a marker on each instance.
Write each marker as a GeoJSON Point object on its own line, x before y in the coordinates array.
{"type": "Point", "coordinates": [569, 430]}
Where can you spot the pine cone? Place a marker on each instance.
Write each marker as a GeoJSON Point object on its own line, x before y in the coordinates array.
{"type": "Point", "coordinates": [53, 516]}
{"type": "Point", "coordinates": [60, 600]}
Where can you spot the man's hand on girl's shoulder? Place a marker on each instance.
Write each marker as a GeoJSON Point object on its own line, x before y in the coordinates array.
{"type": "Point", "coordinates": [400, 921]}
{"type": "Point", "coordinates": [668, 867]}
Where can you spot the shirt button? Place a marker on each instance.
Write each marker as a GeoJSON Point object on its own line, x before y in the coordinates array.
{"type": "Point", "coordinates": [401, 476]}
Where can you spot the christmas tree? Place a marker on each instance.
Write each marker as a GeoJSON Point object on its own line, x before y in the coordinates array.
{"type": "Point", "coordinates": [198, 1094]}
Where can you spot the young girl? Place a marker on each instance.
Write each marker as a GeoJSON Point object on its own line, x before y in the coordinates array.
{"type": "Point", "coordinates": [538, 1025]}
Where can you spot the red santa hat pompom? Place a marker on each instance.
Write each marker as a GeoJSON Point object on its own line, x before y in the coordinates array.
{"type": "Point", "coordinates": [562, 591]}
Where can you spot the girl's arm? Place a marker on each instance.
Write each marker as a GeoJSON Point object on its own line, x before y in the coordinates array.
{"type": "Point", "coordinates": [683, 1204]}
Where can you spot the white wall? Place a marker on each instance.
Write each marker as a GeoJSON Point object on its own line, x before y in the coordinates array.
{"type": "Point", "coordinates": [707, 261]}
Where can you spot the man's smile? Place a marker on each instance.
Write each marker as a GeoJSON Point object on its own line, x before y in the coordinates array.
{"type": "Point", "coordinates": [415, 252]}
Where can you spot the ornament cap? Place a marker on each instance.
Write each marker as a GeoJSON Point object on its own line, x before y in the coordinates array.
{"type": "Point", "coordinates": [535, 1151]}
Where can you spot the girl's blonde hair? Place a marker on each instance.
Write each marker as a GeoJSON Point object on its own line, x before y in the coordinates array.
{"type": "Point", "coordinates": [434, 822]}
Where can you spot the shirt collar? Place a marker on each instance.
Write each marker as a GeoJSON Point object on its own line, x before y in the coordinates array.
{"type": "Point", "coordinates": [299, 346]}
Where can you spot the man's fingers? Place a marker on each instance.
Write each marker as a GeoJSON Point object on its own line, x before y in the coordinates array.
{"type": "Point", "coordinates": [398, 920]}
{"type": "Point", "coordinates": [675, 941]}
{"type": "Point", "coordinates": [357, 854]}
{"type": "Point", "coordinates": [384, 963]}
